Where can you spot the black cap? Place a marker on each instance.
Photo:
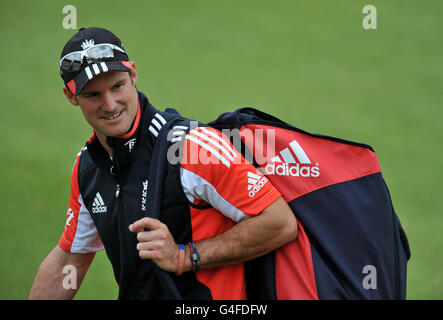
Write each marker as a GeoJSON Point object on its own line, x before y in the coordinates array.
{"type": "Point", "coordinates": [85, 37]}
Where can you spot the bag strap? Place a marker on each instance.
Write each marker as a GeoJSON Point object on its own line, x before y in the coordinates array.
{"type": "Point", "coordinates": [157, 171]}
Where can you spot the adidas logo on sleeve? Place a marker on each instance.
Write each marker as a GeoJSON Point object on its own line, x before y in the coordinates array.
{"type": "Point", "coordinates": [98, 205]}
{"type": "Point", "coordinates": [255, 183]}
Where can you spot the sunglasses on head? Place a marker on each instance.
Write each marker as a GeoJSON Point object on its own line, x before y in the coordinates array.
{"type": "Point", "coordinates": [73, 61]}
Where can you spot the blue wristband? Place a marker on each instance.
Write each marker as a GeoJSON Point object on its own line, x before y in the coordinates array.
{"type": "Point", "coordinates": [181, 259]}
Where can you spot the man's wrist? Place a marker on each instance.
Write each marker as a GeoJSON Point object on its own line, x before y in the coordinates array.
{"type": "Point", "coordinates": [181, 259]}
{"type": "Point", "coordinates": [188, 264]}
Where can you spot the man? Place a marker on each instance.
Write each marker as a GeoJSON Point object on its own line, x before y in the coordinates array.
{"type": "Point", "coordinates": [209, 224]}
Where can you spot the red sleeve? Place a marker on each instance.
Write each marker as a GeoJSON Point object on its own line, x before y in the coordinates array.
{"type": "Point", "coordinates": [213, 171]}
{"type": "Point", "coordinates": [80, 234]}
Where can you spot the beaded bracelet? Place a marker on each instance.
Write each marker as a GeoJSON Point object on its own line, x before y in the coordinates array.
{"type": "Point", "coordinates": [195, 257]}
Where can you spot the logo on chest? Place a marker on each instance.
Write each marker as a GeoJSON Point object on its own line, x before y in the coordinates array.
{"type": "Point", "coordinates": [98, 206]}
{"type": "Point", "coordinates": [130, 144]}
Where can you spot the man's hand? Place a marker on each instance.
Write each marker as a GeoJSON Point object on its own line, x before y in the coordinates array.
{"type": "Point", "coordinates": [156, 244]}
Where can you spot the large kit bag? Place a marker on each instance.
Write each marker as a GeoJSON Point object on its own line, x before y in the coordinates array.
{"type": "Point", "coordinates": [350, 243]}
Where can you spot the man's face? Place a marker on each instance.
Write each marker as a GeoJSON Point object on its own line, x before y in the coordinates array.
{"type": "Point", "coordinates": [109, 103]}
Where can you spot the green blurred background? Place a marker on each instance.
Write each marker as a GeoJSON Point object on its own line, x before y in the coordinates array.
{"type": "Point", "coordinates": [310, 63]}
